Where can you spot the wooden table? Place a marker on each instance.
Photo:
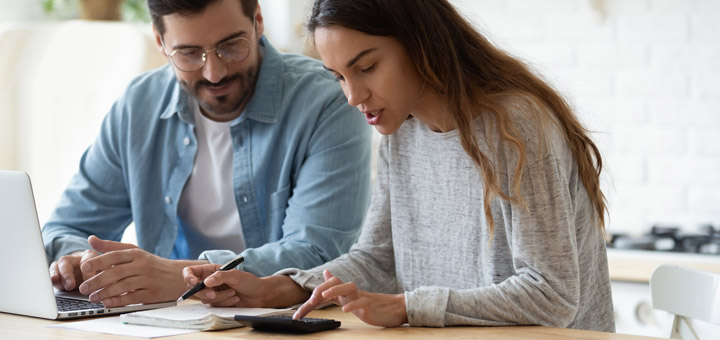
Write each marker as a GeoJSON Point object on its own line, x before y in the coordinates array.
{"type": "Point", "coordinates": [20, 327]}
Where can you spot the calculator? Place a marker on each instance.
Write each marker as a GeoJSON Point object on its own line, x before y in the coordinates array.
{"type": "Point", "coordinates": [286, 324]}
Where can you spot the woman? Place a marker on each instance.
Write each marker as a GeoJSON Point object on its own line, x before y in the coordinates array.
{"type": "Point", "coordinates": [486, 208]}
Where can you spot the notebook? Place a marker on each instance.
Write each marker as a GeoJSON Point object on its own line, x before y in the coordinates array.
{"type": "Point", "coordinates": [197, 316]}
{"type": "Point", "coordinates": [26, 288]}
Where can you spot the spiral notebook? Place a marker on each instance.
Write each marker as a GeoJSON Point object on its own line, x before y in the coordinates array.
{"type": "Point", "coordinates": [196, 316]}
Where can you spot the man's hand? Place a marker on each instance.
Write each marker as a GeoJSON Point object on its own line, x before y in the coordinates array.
{"type": "Point", "coordinates": [126, 274]}
{"type": "Point", "coordinates": [65, 272]}
{"type": "Point", "coordinates": [386, 310]}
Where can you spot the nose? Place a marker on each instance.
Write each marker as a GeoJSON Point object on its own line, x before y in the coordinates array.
{"type": "Point", "coordinates": [214, 69]}
{"type": "Point", "coordinates": [356, 93]}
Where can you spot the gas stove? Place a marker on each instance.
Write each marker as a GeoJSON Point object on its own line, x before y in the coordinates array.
{"type": "Point", "coordinates": [706, 240]}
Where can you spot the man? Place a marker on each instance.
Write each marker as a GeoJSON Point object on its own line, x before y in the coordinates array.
{"type": "Point", "coordinates": [231, 148]}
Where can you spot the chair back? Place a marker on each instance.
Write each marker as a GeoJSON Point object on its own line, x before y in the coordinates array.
{"type": "Point", "coordinates": [692, 296]}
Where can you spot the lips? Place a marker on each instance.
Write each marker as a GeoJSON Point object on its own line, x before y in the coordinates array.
{"type": "Point", "coordinates": [373, 117]}
{"type": "Point", "coordinates": [217, 91]}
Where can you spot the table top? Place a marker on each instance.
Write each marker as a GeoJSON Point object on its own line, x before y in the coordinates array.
{"type": "Point", "coordinates": [21, 327]}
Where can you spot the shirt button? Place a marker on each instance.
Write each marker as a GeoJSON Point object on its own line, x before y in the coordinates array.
{"type": "Point", "coordinates": [186, 141]}
{"type": "Point", "coordinates": [245, 199]}
{"type": "Point", "coordinates": [168, 200]}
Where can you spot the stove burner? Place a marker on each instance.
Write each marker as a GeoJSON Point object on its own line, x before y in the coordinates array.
{"type": "Point", "coordinates": [670, 238]}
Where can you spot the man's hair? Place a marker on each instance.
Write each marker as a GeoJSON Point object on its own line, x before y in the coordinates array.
{"type": "Point", "coordinates": [160, 8]}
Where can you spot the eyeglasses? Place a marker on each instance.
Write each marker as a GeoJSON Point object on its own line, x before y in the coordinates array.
{"type": "Point", "coordinates": [230, 51]}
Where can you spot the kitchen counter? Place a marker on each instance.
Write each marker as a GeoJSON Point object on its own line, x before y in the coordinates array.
{"type": "Point", "coordinates": [638, 265]}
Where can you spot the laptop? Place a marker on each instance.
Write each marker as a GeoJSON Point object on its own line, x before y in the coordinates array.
{"type": "Point", "coordinates": [26, 288]}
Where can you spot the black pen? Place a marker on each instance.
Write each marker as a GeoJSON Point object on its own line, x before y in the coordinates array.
{"type": "Point", "coordinates": [200, 286]}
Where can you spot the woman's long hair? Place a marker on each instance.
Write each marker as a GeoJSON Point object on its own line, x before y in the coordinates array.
{"type": "Point", "coordinates": [460, 64]}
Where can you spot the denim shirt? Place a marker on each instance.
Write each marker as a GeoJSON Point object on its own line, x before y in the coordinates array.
{"type": "Point", "coordinates": [301, 169]}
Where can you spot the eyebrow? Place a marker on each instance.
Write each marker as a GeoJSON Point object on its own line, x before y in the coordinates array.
{"type": "Point", "coordinates": [231, 36]}
{"type": "Point", "coordinates": [354, 59]}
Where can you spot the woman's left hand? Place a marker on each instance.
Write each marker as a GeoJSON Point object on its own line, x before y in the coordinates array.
{"type": "Point", "coordinates": [386, 310]}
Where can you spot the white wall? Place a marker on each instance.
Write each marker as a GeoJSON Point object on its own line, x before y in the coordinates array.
{"type": "Point", "coordinates": [644, 75]}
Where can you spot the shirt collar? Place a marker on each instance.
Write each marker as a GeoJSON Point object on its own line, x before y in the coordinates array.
{"type": "Point", "coordinates": [262, 106]}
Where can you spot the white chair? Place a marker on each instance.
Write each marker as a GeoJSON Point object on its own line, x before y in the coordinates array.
{"type": "Point", "coordinates": [692, 296]}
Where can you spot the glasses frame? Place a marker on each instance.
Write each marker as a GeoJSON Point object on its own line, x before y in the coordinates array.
{"type": "Point", "coordinates": [214, 49]}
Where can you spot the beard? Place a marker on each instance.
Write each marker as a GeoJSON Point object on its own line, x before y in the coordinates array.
{"type": "Point", "coordinates": [230, 103]}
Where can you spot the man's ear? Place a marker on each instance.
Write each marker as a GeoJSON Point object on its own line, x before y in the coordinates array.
{"type": "Point", "coordinates": [260, 27]}
{"type": "Point", "coordinates": [158, 41]}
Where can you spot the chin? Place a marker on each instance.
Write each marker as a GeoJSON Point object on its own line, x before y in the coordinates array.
{"type": "Point", "coordinates": [385, 131]}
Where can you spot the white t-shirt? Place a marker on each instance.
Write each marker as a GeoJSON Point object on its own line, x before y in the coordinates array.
{"type": "Point", "coordinates": [207, 205]}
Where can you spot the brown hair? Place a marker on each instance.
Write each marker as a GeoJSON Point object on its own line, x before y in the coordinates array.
{"type": "Point", "coordinates": [462, 65]}
{"type": "Point", "coordinates": [160, 8]}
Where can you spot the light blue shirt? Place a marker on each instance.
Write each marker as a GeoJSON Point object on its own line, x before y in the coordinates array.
{"type": "Point", "coordinates": [301, 170]}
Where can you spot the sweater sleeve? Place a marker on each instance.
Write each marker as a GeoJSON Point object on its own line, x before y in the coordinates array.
{"type": "Point", "coordinates": [544, 289]}
{"type": "Point", "coordinates": [370, 262]}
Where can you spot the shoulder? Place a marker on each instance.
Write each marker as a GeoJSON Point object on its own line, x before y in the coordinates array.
{"type": "Point", "coordinates": [146, 98]}
{"type": "Point", "coordinates": [305, 75]}
{"type": "Point", "coordinates": [537, 126]}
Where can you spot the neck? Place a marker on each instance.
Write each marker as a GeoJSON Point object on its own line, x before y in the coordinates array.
{"type": "Point", "coordinates": [432, 110]}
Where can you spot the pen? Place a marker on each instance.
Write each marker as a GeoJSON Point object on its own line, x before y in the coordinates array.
{"type": "Point", "coordinates": [200, 286]}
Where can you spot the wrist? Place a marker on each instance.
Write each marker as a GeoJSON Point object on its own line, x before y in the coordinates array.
{"type": "Point", "coordinates": [282, 291]}
{"type": "Point", "coordinates": [402, 307]}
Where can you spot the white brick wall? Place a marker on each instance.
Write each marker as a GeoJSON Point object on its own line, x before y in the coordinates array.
{"type": "Point", "coordinates": [644, 75]}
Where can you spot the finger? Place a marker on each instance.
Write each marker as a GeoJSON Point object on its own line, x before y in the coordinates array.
{"type": "Point", "coordinates": [210, 296]}
{"type": "Point", "coordinates": [327, 275]}
{"type": "Point", "coordinates": [109, 260]}
{"type": "Point", "coordinates": [316, 298]}
{"type": "Point", "coordinates": [66, 270]}
{"type": "Point", "coordinates": [138, 296]}
{"type": "Point", "coordinates": [317, 294]}
{"type": "Point", "coordinates": [227, 302]}
{"type": "Point", "coordinates": [194, 274]}
{"type": "Point", "coordinates": [55, 276]}
{"type": "Point", "coordinates": [347, 289]}
{"type": "Point", "coordinates": [87, 255]}
{"type": "Point", "coordinates": [357, 307]}
{"type": "Point", "coordinates": [105, 246]}
{"type": "Point", "coordinates": [118, 288]}
{"type": "Point", "coordinates": [227, 277]}
{"type": "Point", "coordinates": [109, 276]}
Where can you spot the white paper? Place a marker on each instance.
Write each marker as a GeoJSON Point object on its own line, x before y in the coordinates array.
{"type": "Point", "coordinates": [113, 325]}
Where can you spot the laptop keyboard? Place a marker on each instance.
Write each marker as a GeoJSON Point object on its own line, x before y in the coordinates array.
{"type": "Point", "coordinates": [65, 304]}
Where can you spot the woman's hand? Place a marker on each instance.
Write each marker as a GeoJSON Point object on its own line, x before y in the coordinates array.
{"type": "Point", "coordinates": [386, 310]}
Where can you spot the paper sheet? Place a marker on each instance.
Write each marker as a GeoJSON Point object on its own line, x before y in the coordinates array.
{"type": "Point", "coordinates": [113, 325]}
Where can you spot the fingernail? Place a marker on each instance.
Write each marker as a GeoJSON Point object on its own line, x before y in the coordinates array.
{"type": "Point", "coordinates": [193, 281]}
{"type": "Point", "coordinates": [68, 284]}
{"type": "Point", "coordinates": [85, 267]}
{"type": "Point", "coordinates": [84, 289]}
{"type": "Point", "coordinates": [94, 298]}
{"type": "Point", "coordinates": [231, 293]}
{"type": "Point", "coordinates": [210, 281]}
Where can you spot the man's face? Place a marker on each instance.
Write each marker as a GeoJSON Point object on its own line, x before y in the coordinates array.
{"type": "Point", "coordinates": [222, 89]}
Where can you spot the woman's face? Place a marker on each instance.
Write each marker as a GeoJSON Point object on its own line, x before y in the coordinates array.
{"type": "Point", "coordinates": [375, 72]}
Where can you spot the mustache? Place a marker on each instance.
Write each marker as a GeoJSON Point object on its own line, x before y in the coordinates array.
{"type": "Point", "coordinates": [222, 82]}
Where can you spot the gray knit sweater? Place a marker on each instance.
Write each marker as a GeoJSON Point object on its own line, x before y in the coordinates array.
{"type": "Point", "coordinates": [426, 235]}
